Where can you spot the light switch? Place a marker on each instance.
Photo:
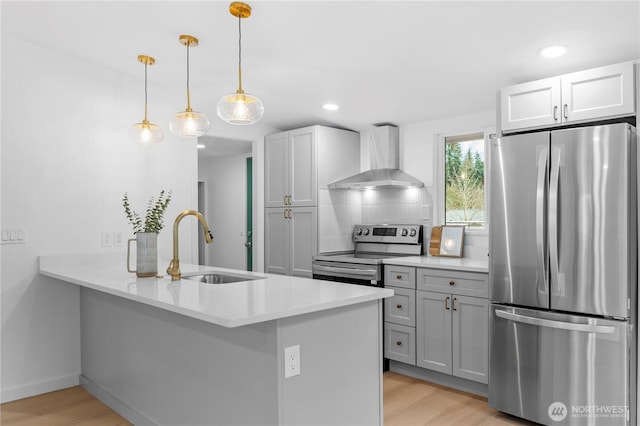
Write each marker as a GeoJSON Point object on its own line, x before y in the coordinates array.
{"type": "Point", "coordinates": [13, 236]}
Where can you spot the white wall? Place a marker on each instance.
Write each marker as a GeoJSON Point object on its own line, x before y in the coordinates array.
{"type": "Point", "coordinates": [225, 185]}
{"type": "Point", "coordinates": [66, 162]}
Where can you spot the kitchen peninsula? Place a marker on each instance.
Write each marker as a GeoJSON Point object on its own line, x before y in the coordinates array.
{"type": "Point", "coordinates": [186, 352]}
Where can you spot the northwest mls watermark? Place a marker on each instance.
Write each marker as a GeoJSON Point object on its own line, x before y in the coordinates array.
{"type": "Point", "coordinates": [558, 411]}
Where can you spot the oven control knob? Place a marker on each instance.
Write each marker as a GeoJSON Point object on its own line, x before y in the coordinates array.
{"type": "Point", "coordinates": [412, 233]}
{"type": "Point", "coordinates": [365, 231]}
{"type": "Point", "coordinates": [404, 232]}
{"type": "Point", "coordinates": [359, 231]}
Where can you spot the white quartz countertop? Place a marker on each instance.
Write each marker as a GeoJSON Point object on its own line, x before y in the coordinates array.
{"type": "Point", "coordinates": [455, 264]}
{"type": "Point", "coordinates": [229, 305]}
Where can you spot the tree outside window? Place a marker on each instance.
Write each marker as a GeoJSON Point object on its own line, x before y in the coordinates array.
{"type": "Point", "coordinates": [464, 181]}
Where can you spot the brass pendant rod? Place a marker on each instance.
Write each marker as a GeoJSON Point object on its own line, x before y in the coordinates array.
{"type": "Point", "coordinates": [240, 53]}
{"type": "Point", "coordinates": [145, 94]}
{"type": "Point", "coordinates": [188, 91]}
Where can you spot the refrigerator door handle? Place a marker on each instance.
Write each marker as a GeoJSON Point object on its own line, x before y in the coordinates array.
{"type": "Point", "coordinates": [541, 231]}
{"type": "Point", "coordinates": [554, 187]}
{"type": "Point", "coordinates": [561, 325]}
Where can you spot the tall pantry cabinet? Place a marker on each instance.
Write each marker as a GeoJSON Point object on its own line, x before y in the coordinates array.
{"type": "Point", "coordinates": [299, 164]}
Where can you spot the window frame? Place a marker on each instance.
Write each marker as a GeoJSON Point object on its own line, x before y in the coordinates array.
{"type": "Point", "coordinates": [441, 138]}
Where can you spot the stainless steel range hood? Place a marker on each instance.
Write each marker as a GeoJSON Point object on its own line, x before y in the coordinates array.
{"type": "Point", "coordinates": [385, 172]}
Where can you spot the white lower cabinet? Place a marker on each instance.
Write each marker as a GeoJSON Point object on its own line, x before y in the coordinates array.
{"type": "Point", "coordinates": [400, 343]}
{"type": "Point", "coordinates": [452, 334]}
{"type": "Point", "coordinates": [290, 235]}
{"type": "Point", "coordinates": [438, 319]}
{"type": "Point", "coordinates": [470, 334]}
{"type": "Point", "coordinates": [400, 314]}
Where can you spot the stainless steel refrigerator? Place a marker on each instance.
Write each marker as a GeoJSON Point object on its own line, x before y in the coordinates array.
{"type": "Point", "coordinates": [563, 274]}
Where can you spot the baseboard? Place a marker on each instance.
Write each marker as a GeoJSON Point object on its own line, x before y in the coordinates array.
{"type": "Point", "coordinates": [111, 401]}
{"type": "Point", "coordinates": [465, 385]}
{"type": "Point", "coordinates": [38, 388]}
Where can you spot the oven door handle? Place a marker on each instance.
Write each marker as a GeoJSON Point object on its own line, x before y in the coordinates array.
{"type": "Point", "coordinates": [352, 271]}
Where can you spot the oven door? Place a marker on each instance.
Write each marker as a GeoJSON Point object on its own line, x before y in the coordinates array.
{"type": "Point", "coordinates": [352, 273]}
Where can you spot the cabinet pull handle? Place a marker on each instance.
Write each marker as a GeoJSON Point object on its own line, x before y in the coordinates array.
{"type": "Point", "coordinates": [289, 199]}
{"type": "Point", "coordinates": [399, 343]}
{"type": "Point", "coordinates": [555, 113]}
{"type": "Point", "coordinates": [452, 283]}
{"type": "Point", "coordinates": [290, 215]}
{"type": "Point", "coordinates": [566, 115]}
{"type": "Point", "coordinates": [399, 306]}
{"type": "Point", "coordinates": [285, 213]}
{"type": "Point", "coordinates": [398, 277]}
{"type": "Point", "coordinates": [446, 303]}
{"type": "Point", "coordinates": [453, 304]}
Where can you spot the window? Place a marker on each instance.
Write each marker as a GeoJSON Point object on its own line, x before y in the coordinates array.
{"type": "Point", "coordinates": [464, 181]}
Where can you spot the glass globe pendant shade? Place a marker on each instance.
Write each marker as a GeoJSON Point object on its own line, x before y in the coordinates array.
{"type": "Point", "coordinates": [240, 108]}
{"type": "Point", "coordinates": [189, 123]}
{"type": "Point", "coordinates": [146, 133]}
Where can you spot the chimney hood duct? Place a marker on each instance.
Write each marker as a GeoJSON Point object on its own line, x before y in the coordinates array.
{"type": "Point", "coordinates": [385, 172]}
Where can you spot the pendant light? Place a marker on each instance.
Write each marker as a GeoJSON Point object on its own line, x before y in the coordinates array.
{"type": "Point", "coordinates": [189, 123]}
{"type": "Point", "coordinates": [240, 107]}
{"type": "Point", "coordinates": [145, 132]}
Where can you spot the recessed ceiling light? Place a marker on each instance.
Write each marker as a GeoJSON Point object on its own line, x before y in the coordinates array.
{"type": "Point", "coordinates": [554, 51]}
{"type": "Point", "coordinates": [330, 107]}
{"type": "Point", "coordinates": [200, 146]}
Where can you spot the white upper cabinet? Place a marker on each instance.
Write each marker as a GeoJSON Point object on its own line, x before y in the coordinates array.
{"type": "Point", "coordinates": [276, 153]}
{"type": "Point", "coordinates": [290, 168]}
{"type": "Point", "coordinates": [595, 94]}
{"type": "Point", "coordinates": [532, 104]}
{"type": "Point", "coordinates": [598, 93]}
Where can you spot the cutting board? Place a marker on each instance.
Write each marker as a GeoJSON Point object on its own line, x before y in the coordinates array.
{"type": "Point", "coordinates": [434, 245]}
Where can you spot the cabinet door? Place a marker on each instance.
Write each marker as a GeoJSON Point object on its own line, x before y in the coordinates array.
{"type": "Point", "coordinates": [303, 175]}
{"type": "Point", "coordinates": [470, 317]}
{"type": "Point", "coordinates": [529, 105]}
{"type": "Point", "coordinates": [277, 241]}
{"type": "Point", "coordinates": [598, 93]}
{"type": "Point", "coordinates": [276, 169]}
{"type": "Point", "coordinates": [399, 343]}
{"type": "Point", "coordinates": [303, 242]}
{"type": "Point", "coordinates": [401, 307]}
{"type": "Point", "coordinates": [433, 311]}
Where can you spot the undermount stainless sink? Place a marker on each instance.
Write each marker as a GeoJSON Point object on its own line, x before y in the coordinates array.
{"type": "Point", "coordinates": [215, 278]}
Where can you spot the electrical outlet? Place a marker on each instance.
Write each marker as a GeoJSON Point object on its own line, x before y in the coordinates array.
{"type": "Point", "coordinates": [117, 239]}
{"type": "Point", "coordinates": [424, 212]}
{"type": "Point", "coordinates": [291, 361]}
{"type": "Point", "coordinates": [107, 239]}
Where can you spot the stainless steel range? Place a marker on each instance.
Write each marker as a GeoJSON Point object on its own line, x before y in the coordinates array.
{"type": "Point", "coordinates": [373, 244]}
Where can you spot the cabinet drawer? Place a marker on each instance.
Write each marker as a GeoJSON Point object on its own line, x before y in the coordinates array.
{"type": "Point", "coordinates": [399, 343]}
{"type": "Point", "coordinates": [401, 307]}
{"type": "Point", "coordinates": [400, 276]}
{"type": "Point", "coordinates": [454, 282]}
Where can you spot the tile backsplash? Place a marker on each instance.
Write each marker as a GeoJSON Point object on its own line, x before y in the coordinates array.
{"type": "Point", "coordinates": [341, 210]}
{"type": "Point", "coordinates": [411, 205]}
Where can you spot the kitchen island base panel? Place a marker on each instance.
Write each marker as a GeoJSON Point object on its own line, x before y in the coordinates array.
{"type": "Point", "coordinates": [448, 380]}
{"type": "Point", "coordinates": [172, 369]}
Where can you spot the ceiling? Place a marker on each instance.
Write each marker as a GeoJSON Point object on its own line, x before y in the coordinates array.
{"type": "Point", "coordinates": [380, 61]}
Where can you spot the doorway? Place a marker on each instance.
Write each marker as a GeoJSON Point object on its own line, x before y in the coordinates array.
{"type": "Point", "coordinates": [249, 229]}
{"type": "Point", "coordinates": [225, 197]}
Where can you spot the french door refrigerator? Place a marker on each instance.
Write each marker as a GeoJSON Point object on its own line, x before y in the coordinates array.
{"type": "Point", "coordinates": [563, 274]}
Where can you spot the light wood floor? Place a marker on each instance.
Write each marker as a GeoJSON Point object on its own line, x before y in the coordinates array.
{"type": "Point", "coordinates": [407, 402]}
